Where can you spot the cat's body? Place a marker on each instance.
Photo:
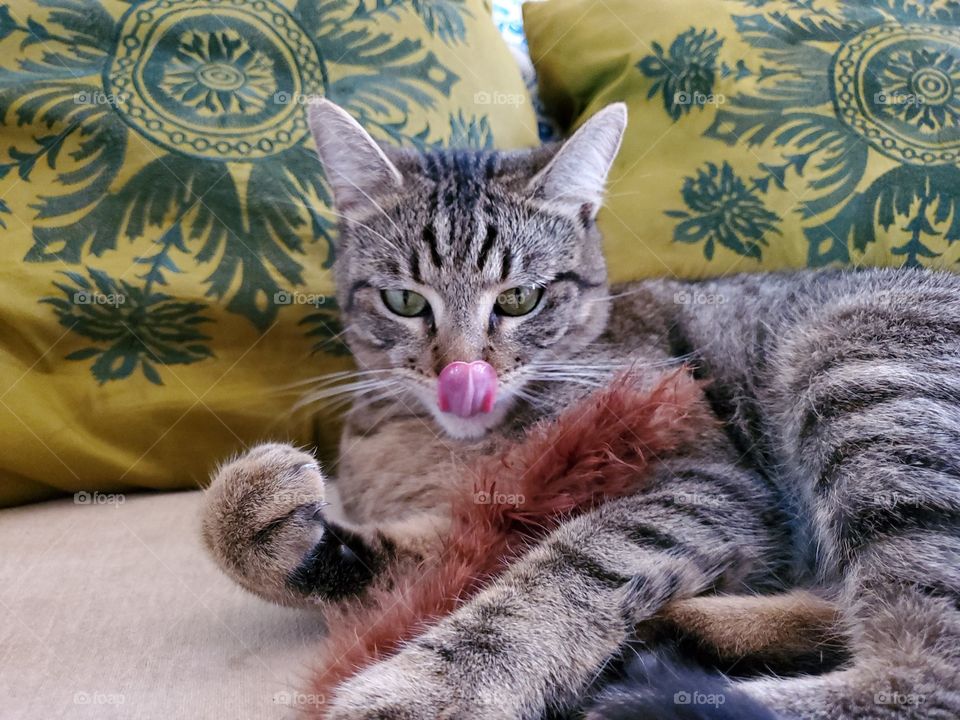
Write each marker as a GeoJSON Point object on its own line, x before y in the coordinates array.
{"type": "Point", "coordinates": [835, 464]}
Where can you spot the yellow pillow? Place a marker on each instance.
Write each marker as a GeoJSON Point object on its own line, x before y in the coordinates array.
{"type": "Point", "coordinates": [167, 243]}
{"type": "Point", "coordinates": [765, 135]}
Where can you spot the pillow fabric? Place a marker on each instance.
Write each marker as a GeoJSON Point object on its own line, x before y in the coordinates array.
{"type": "Point", "coordinates": [165, 223]}
{"type": "Point", "coordinates": [508, 17]}
{"type": "Point", "coordinates": [766, 134]}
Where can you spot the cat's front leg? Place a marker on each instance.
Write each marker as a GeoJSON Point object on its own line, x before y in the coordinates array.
{"type": "Point", "coordinates": [265, 524]}
{"type": "Point", "coordinates": [538, 636]}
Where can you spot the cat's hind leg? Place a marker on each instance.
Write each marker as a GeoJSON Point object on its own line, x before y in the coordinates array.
{"type": "Point", "coordinates": [905, 650]}
{"type": "Point", "coordinates": [787, 633]}
{"type": "Point", "coordinates": [873, 430]}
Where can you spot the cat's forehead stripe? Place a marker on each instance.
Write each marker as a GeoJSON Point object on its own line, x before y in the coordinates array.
{"type": "Point", "coordinates": [460, 180]}
{"type": "Point", "coordinates": [488, 241]}
{"type": "Point", "coordinates": [507, 264]}
{"type": "Point", "coordinates": [466, 186]}
{"type": "Point", "coordinates": [415, 266]}
{"type": "Point", "coordinates": [430, 238]}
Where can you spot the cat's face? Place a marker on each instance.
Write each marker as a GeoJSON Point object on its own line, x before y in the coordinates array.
{"type": "Point", "coordinates": [464, 273]}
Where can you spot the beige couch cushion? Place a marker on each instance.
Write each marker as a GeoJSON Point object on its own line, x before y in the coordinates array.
{"type": "Point", "coordinates": [115, 611]}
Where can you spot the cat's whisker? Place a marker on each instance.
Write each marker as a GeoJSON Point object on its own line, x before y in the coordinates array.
{"type": "Point", "coordinates": [350, 387]}
{"type": "Point", "coordinates": [615, 366]}
{"type": "Point", "coordinates": [347, 389]}
{"type": "Point", "coordinates": [388, 394]}
{"type": "Point", "coordinates": [593, 372]}
{"type": "Point", "coordinates": [532, 397]}
{"type": "Point", "coordinates": [570, 377]}
{"type": "Point", "coordinates": [574, 379]}
{"type": "Point", "coordinates": [355, 374]}
{"type": "Point", "coordinates": [351, 402]}
{"type": "Point", "coordinates": [542, 396]}
{"type": "Point", "coordinates": [625, 293]}
{"type": "Point", "coordinates": [328, 378]}
{"type": "Point", "coordinates": [337, 406]}
{"type": "Point", "coordinates": [359, 401]}
{"type": "Point", "coordinates": [596, 369]}
{"type": "Point", "coordinates": [534, 402]}
{"type": "Point", "coordinates": [394, 392]}
{"type": "Point", "coordinates": [332, 407]}
{"type": "Point", "coordinates": [337, 336]}
{"type": "Point", "coordinates": [355, 401]}
{"type": "Point", "coordinates": [572, 372]}
{"type": "Point", "coordinates": [575, 363]}
{"type": "Point", "coordinates": [339, 373]}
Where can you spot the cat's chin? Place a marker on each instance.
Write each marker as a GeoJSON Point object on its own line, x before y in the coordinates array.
{"type": "Point", "coordinates": [472, 427]}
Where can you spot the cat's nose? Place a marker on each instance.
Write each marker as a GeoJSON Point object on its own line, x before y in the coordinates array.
{"type": "Point", "coordinates": [467, 389]}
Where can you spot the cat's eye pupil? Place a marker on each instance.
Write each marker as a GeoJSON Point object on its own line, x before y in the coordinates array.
{"type": "Point", "coordinates": [404, 302]}
{"type": "Point", "coordinates": [518, 301]}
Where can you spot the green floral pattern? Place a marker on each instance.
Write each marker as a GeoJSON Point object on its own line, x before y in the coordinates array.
{"type": "Point", "coordinates": [218, 73]}
{"type": "Point", "coordinates": [129, 326]}
{"type": "Point", "coordinates": [921, 88]}
{"type": "Point", "coordinates": [723, 211]}
{"type": "Point", "coordinates": [889, 72]}
{"type": "Point", "coordinates": [684, 74]}
{"type": "Point", "coordinates": [215, 89]}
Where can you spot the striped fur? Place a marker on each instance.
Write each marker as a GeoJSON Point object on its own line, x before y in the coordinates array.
{"type": "Point", "coordinates": [835, 465]}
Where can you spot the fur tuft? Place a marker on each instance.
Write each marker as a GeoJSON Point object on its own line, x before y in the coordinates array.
{"type": "Point", "coordinates": [658, 687]}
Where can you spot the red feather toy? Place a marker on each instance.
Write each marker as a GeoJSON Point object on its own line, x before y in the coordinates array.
{"type": "Point", "coordinates": [594, 451]}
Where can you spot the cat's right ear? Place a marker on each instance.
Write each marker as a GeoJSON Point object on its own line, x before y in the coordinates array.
{"type": "Point", "coordinates": [356, 167]}
{"type": "Point", "coordinates": [577, 174]}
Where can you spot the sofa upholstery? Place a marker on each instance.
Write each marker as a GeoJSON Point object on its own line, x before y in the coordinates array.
{"type": "Point", "coordinates": [115, 611]}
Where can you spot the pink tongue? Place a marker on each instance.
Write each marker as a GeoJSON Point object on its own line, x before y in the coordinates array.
{"type": "Point", "coordinates": [466, 389]}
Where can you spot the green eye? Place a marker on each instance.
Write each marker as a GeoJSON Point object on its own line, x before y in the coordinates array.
{"type": "Point", "coordinates": [404, 302]}
{"type": "Point", "coordinates": [518, 301]}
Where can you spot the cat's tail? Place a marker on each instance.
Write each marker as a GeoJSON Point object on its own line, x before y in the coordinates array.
{"type": "Point", "coordinates": [659, 686]}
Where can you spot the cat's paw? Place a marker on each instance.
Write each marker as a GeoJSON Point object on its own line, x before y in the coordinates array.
{"type": "Point", "coordinates": [416, 684]}
{"type": "Point", "coordinates": [411, 685]}
{"type": "Point", "coordinates": [262, 516]}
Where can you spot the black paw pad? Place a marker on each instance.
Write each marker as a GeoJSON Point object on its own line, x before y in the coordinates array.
{"type": "Point", "coordinates": [340, 565]}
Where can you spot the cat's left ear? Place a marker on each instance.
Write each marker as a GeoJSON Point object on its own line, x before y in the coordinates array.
{"type": "Point", "coordinates": [357, 168]}
{"type": "Point", "coordinates": [578, 172]}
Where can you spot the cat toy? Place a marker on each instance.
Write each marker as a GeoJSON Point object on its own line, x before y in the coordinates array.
{"type": "Point", "coordinates": [596, 450]}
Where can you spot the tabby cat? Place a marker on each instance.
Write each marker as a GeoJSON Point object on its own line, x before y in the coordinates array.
{"type": "Point", "coordinates": [475, 300]}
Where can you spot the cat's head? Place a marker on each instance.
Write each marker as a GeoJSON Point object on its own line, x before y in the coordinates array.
{"type": "Point", "coordinates": [464, 272]}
